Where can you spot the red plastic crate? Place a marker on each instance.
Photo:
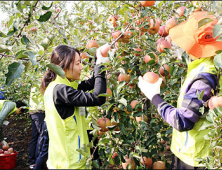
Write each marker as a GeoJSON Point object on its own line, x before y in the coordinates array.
{"type": "Point", "coordinates": [8, 161]}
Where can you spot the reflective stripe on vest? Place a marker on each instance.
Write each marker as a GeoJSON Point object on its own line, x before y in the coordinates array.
{"type": "Point", "coordinates": [66, 135]}
{"type": "Point", "coordinates": [190, 145]}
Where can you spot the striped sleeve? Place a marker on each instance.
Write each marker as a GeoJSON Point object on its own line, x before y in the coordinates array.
{"type": "Point", "coordinates": [184, 118]}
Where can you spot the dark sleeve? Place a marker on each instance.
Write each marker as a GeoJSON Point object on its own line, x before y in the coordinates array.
{"type": "Point", "coordinates": [87, 84]}
{"type": "Point", "coordinates": [66, 97]}
{"type": "Point", "coordinates": [188, 114]}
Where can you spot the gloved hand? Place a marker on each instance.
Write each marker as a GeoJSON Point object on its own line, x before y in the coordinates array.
{"type": "Point", "coordinates": [100, 59]}
{"type": "Point", "coordinates": [149, 89]}
{"type": "Point", "coordinates": [176, 51]}
{"type": "Point", "coordinates": [4, 143]}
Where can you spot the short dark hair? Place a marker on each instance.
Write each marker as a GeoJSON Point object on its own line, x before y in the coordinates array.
{"type": "Point", "coordinates": [20, 104]}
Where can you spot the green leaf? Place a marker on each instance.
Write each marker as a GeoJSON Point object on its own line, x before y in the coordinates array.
{"type": "Point", "coordinates": [96, 127]}
{"type": "Point", "coordinates": [121, 70]}
{"type": "Point", "coordinates": [200, 95]}
{"type": "Point", "coordinates": [123, 101]}
{"type": "Point", "coordinates": [122, 129]}
{"type": "Point", "coordinates": [205, 125]}
{"type": "Point", "coordinates": [203, 22]}
{"type": "Point", "coordinates": [91, 51]}
{"type": "Point", "coordinates": [14, 71]}
{"type": "Point", "coordinates": [138, 114]}
{"type": "Point", "coordinates": [2, 34]}
{"type": "Point", "coordinates": [120, 86]}
{"type": "Point", "coordinates": [45, 43]}
{"type": "Point", "coordinates": [31, 56]}
{"type": "Point", "coordinates": [217, 30]}
{"type": "Point", "coordinates": [3, 48]}
{"type": "Point", "coordinates": [104, 95]}
{"type": "Point", "coordinates": [25, 40]}
{"type": "Point", "coordinates": [136, 155]}
{"type": "Point", "coordinates": [95, 164]}
{"type": "Point", "coordinates": [47, 8]}
{"type": "Point", "coordinates": [18, 53]}
{"type": "Point", "coordinates": [27, 66]}
{"type": "Point", "coordinates": [218, 60]}
{"type": "Point", "coordinates": [45, 17]}
{"type": "Point", "coordinates": [56, 69]}
{"type": "Point", "coordinates": [11, 32]}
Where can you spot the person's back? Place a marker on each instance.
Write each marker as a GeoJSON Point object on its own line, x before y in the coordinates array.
{"type": "Point", "coordinates": [37, 115]}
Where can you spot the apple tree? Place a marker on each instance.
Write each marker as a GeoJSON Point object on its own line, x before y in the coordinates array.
{"type": "Point", "coordinates": [138, 35]}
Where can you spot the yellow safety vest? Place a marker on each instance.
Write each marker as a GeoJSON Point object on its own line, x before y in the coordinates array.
{"type": "Point", "coordinates": [190, 145]}
{"type": "Point", "coordinates": [65, 135]}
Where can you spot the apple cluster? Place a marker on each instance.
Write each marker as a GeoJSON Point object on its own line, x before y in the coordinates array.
{"type": "Point", "coordinates": [6, 150]}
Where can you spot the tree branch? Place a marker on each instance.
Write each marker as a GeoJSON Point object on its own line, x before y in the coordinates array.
{"type": "Point", "coordinates": [10, 56]}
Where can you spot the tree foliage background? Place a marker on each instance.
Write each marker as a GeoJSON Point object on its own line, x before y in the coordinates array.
{"type": "Point", "coordinates": [34, 28]}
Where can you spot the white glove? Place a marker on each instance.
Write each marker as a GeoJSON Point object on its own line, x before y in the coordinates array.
{"type": "Point", "coordinates": [149, 89]}
{"type": "Point", "coordinates": [4, 143]}
{"type": "Point", "coordinates": [177, 51]}
{"type": "Point", "coordinates": [100, 59]}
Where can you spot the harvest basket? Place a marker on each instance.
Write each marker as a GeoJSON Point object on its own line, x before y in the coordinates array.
{"type": "Point", "coordinates": [8, 161]}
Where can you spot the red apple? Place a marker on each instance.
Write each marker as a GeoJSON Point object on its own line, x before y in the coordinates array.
{"type": "Point", "coordinates": [5, 147]}
{"type": "Point", "coordinates": [159, 20]}
{"type": "Point", "coordinates": [116, 34]}
{"type": "Point", "coordinates": [151, 77]}
{"type": "Point", "coordinates": [83, 55]}
{"type": "Point", "coordinates": [1, 151]}
{"type": "Point", "coordinates": [134, 103]}
{"type": "Point", "coordinates": [163, 44]}
{"type": "Point", "coordinates": [124, 77]}
{"type": "Point", "coordinates": [147, 3]}
{"type": "Point", "coordinates": [10, 150]}
{"type": "Point", "coordinates": [147, 58]}
{"type": "Point", "coordinates": [162, 31]}
{"type": "Point", "coordinates": [92, 43]}
{"type": "Point", "coordinates": [168, 38]}
{"type": "Point", "coordinates": [138, 51]}
{"type": "Point", "coordinates": [161, 70]}
{"type": "Point", "coordinates": [114, 155]}
{"type": "Point", "coordinates": [112, 20]}
{"type": "Point", "coordinates": [103, 123]}
{"type": "Point", "coordinates": [154, 27]}
{"type": "Point", "coordinates": [159, 40]}
{"type": "Point", "coordinates": [104, 50]}
{"type": "Point", "coordinates": [170, 23]}
{"type": "Point", "coordinates": [181, 10]}
{"type": "Point", "coordinates": [7, 153]}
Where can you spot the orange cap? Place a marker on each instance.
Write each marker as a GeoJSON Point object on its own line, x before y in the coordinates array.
{"type": "Point", "coordinates": [198, 42]}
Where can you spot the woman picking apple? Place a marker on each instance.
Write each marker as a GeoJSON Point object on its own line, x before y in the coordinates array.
{"type": "Point", "coordinates": [66, 125]}
{"type": "Point", "coordinates": [188, 141]}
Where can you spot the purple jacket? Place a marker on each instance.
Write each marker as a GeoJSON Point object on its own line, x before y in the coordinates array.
{"type": "Point", "coordinates": [184, 118]}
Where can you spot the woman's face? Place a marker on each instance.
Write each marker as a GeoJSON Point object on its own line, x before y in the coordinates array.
{"type": "Point", "coordinates": [74, 71]}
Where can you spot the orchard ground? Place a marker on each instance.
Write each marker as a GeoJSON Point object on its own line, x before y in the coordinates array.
{"type": "Point", "coordinates": [18, 134]}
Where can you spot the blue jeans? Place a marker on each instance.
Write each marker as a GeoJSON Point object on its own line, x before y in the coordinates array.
{"type": "Point", "coordinates": [37, 136]}
{"type": "Point", "coordinates": [43, 156]}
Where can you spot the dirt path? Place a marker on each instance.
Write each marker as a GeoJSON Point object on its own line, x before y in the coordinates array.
{"type": "Point", "coordinates": [18, 134]}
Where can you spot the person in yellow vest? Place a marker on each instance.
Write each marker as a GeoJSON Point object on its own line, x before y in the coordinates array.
{"type": "Point", "coordinates": [37, 115]}
{"type": "Point", "coordinates": [188, 141]}
{"type": "Point", "coordinates": [66, 125]}
{"type": "Point", "coordinates": [7, 108]}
